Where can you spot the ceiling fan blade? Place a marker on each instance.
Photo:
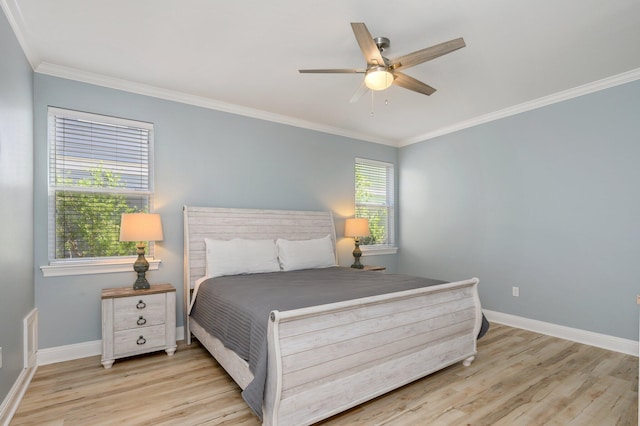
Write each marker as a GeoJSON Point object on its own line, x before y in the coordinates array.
{"type": "Point", "coordinates": [334, 71]}
{"type": "Point", "coordinates": [411, 83]}
{"type": "Point", "coordinates": [367, 45]}
{"type": "Point", "coordinates": [428, 53]}
{"type": "Point", "coordinates": [361, 91]}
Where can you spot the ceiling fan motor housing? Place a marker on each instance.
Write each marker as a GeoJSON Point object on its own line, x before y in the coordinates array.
{"type": "Point", "coordinates": [382, 43]}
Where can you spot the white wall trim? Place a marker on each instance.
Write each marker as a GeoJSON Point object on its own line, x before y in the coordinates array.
{"type": "Point", "coordinates": [12, 400]}
{"type": "Point", "coordinates": [79, 350]}
{"type": "Point", "coordinates": [69, 352]}
{"type": "Point", "coordinates": [575, 92]}
{"type": "Point", "coordinates": [612, 343]}
{"type": "Point", "coordinates": [172, 95]}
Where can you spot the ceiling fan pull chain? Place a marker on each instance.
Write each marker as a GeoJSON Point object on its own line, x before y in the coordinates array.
{"type": "Point", "coordinates": [371, 114]}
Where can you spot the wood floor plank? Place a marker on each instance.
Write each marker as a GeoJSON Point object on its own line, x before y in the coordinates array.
{"type": "Point", "coordinates": [518, 378]}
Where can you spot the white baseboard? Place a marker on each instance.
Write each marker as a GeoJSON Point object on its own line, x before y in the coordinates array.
{"type": "Point", "coordinates": [612, 343]}
{"type": "Point", "coordinates": [79, 350]}
{"type": "Point", "coordinates": [69, 352]}
{"type": "Point", "coordinates": [13, 398]}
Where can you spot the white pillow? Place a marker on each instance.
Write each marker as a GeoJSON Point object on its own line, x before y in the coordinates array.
{"type": "Point", "coordinates": [240, 256]}
{"type": "Point", "coordinates": [305, 254]}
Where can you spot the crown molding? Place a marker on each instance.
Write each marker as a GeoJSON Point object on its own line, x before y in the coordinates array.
{"type": "Point", "coordinates": [200, 101]}
{"type": "Point", "coordinates": [575, 92]}
{"type": "Point", "coordinates": [14, 16]}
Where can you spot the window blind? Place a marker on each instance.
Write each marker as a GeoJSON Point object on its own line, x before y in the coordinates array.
{"type": "Point", "coordinates": [99, 168]}
{"type": "Point", "coordinates": [375, 199]}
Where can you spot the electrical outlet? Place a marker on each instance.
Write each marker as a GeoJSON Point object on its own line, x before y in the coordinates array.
{"type": "Point", "coordinates": [515, 291]}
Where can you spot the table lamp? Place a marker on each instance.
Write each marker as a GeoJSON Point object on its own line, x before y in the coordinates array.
{"type": "Point", "coordinates": [357, 227]}
{"type": "Point", "coordinates": [141, 227]}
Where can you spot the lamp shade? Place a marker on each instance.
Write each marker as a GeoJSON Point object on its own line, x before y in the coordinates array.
{"type": "Point", "coordinates": [356, 227]}
{"type": "Point", "coordinates": [141, 227]}
{"type": "Point", "coordinates": [378, 78]}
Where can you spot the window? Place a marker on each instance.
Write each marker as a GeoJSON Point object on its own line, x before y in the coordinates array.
{"type": "Point", "coordinates": [375, 200]}
{"type": "Point", "coordinates": [99, 168]}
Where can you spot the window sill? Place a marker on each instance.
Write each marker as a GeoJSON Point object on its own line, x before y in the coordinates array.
{"type": "Point", "coordinates": [86, 267]}
{"type": "Point", "coordinates": [375, 250]}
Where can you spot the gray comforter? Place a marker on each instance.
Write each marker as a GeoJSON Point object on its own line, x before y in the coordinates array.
{"type": "Point", "coordinates": [235, 309]}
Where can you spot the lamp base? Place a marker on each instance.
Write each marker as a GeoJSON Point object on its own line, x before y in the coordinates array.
{"type": "Point", "coordinates": [141, 266]}
{"type": "Point", "coordinates": [141, 284]}
{"type": "Point", "coordinates": [356, 255]}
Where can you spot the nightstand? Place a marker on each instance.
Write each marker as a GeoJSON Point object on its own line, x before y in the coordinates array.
{"type": "Point", "coordinates": [373, 268]}
{"type": "Point", "coordinates": [138, 321]}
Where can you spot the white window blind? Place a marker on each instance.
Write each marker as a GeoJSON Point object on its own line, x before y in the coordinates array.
{"type": "Point", "coordinates": [99, 168]}
{"type": "Point", "coordinates": [375, 199]}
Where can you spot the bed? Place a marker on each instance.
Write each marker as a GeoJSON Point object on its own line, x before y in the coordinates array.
{"type": "Point", "coordinates": [321, 359]}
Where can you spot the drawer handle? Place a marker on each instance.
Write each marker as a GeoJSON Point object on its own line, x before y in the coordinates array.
{"type": "Point", "coordinates": [141, 320]}
{"type": "Point", "coordinates": [141, 305]}
{"type": "Point", "coordinates": [141, 340]}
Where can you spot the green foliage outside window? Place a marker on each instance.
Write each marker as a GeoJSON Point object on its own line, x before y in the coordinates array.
{"type": "Point", "coordinates": [88, 223]}
{"type": "Point", "coordinates": [377, 215]}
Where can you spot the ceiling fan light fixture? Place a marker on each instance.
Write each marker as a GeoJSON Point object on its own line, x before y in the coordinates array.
{"type": "Point", "coordinates": [378, 78]}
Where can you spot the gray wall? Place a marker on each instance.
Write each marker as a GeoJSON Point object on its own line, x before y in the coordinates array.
{"type": "Point", "coordinates": [16, 203]}
{"type": "Point", "coordinates": [202, 157]}
{"type": "Point", "coordinates": [547, 200]}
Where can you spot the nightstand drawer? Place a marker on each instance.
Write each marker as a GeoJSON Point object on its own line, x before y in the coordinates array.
{"type": "Point", "coordinates": [140, 340]}
{"type": "Point", "coordinates": [136, 312]}
{"type": "Point", "coordinates": [141, 304]}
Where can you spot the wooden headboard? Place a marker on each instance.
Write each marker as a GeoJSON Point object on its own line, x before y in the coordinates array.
{"type": "Point", "coordinates": [226, 224]}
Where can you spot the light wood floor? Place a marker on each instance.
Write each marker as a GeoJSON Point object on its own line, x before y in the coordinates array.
{"type": "Point", "coordinates": [518, 378]}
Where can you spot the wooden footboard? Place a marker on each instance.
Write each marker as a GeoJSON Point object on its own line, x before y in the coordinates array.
{"type": "Point", "coordinates": [326, 359]}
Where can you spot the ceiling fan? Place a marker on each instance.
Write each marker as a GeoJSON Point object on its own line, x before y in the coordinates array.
{"type": "Point", "coordinates": [382, 72]}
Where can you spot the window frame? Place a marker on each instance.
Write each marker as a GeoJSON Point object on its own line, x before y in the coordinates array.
{"type": "Point", "coordinates": [94, 265]}
{"type": "Point", "coordinates": [390, 247]}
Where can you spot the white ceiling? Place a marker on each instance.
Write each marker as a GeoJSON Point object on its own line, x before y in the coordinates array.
{"type": "Point", "coordinates": [244, 56]}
